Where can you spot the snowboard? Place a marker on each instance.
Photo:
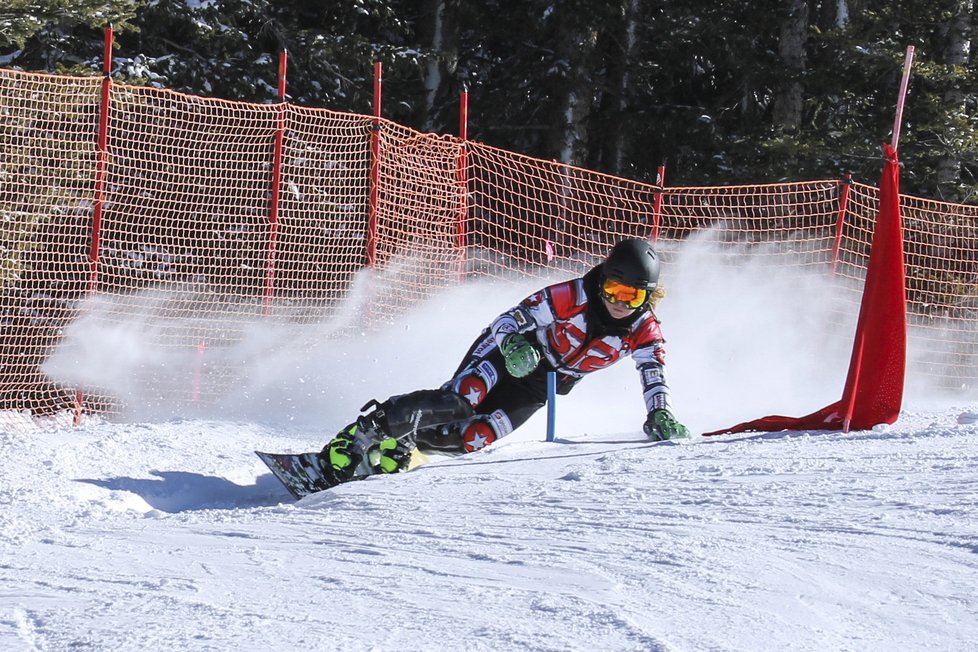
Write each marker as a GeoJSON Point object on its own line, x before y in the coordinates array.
{"type": "Point", "coordinates": [299, 472]}
{"type": "Point", "coordinates": [302, 475]}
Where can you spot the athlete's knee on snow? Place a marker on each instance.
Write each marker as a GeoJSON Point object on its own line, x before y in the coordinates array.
{"type": "Point", "coordinates": [474, 383]}
{"type": "Point", "coordinates": [466, 436]}
{"type": "Point", "coordinates": [478, 433]}
{"type": "Point", "coordinates": [483, 429]}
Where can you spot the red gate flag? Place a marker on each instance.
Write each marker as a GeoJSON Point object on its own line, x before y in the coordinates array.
{"type": "Point", "coordinates": [874, 387]}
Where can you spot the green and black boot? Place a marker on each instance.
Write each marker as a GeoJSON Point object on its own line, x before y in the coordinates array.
{"type": "Point", "coordinates": [363, 449]}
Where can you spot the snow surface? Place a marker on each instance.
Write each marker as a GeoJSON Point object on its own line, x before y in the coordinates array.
{"type": "Point", "coordinates": [166, 532]}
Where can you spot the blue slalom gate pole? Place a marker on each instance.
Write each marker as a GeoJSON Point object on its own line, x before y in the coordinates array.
{"type": "Point", "coordinates": [551, 404]}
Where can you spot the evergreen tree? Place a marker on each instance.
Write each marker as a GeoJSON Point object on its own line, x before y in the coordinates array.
{"type": "Point", "coordinates": [58, 35]}
{"type": "Point", "coordinates": [725, 92]}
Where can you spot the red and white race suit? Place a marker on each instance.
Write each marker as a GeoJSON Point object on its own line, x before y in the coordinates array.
{"type": "Point", "coordinates": [575, 342]}
{"type": "Point", "coordinates": [571, 327]}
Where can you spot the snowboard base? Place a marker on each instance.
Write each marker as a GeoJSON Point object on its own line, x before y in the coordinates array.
{"type": "Point", "coordinates": [302, 475]}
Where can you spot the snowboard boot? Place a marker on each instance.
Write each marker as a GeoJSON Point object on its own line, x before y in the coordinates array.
{"type": "Point", "coordinates": [343, 456]}
{"type": "Point", "coordinates": [381, 440]}
{"type": "Point", "coordinates": [362, 449]}
{"type": "Point", "coordinates": [389, 456]}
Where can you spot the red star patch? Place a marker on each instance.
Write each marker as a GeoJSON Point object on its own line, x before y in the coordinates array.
{"type": "Point", "coordinates": [477, 435]}
{"type": "Point", "coordinates": [472, 389]}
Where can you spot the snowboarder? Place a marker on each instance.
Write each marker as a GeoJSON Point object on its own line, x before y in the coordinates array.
{"type": "Point", "coordinates": [574, 328]}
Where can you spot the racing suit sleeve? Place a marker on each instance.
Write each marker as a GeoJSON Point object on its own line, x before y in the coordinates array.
{"type": "Point", "coordinates": [529, 315]}
{"type": "Point", "coordinates": [650, 362]}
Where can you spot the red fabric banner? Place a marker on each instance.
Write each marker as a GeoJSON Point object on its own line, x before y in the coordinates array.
{"type": "Point", "coordinates": [874, 387]}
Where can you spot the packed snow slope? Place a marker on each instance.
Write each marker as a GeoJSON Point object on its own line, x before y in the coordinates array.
{"type": "Point", "coordinates": [166, 532]}
{"type": "Point", "coordinates": [173, 536]}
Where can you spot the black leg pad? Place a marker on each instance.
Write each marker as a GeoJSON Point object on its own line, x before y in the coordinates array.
{"type": "Point", "coordinates": [420, 410]}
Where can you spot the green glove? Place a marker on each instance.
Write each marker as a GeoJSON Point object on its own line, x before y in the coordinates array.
{"type": "Point", "coordinates": [521, 357]}
{"type": "Point", "coordinates": [661, 425]}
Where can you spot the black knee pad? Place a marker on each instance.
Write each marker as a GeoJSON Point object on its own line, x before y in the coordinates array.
{"type": "Point", "coordinates": [421, 410]}
{"type": "Point", "coordinates": [446, 440]}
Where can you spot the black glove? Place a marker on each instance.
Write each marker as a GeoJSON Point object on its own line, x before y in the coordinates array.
{"type": "Point", "coordinates": [661, 425]}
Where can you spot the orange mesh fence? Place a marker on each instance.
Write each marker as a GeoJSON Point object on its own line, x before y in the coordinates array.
{"type": "Point", "coordinates": [524, 213]}
{"type": "Point", "coordinates": [419, 204]}
{"type": "Point", "coordinates": [190, 249]}
{"type": "Point", "coordinates": [48, 136]}
{"type": "Point", "coordinates": [941, 248]}
{"type": "Point", "coordinates": [795, 221]}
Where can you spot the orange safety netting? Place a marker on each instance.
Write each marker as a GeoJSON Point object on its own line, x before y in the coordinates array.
{"type": "Point", "coordinates": [188, 248]}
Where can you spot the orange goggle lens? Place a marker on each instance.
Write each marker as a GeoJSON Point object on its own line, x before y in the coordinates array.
{"type": "Point", "coordinates": [616, 292]}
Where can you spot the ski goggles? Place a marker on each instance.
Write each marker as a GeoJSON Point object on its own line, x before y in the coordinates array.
{"type": "Point", "coordinates": [617, 292]}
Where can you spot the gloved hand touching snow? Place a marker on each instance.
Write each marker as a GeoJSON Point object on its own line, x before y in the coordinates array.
{"type": "Point", "coordinates": [661, 425]}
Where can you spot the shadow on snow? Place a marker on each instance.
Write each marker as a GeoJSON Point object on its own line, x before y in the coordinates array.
{"type": "Point", "coordinates": [179, 491]}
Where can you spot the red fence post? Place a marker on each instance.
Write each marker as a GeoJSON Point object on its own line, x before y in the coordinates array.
{"type": "Point", "coordinates": [102, 158]}
{"type": "Point", "coordinates": [374, 166]}
{"type": "Point", "coordinates": [101, 167]}
{"type": "Point", "coordinates": [463, 178]}
{"type": "Point", "coordinates": [840, 220]}
{"type": "Point", "coordinates": [283, 62]}
{"type": "Point", "coordinates": [660, 180]}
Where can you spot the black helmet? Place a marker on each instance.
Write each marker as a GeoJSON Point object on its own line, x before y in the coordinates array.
{"type": "Point", "coordinates": [633, 263]}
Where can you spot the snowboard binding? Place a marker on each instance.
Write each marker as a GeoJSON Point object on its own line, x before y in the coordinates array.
{"type": "Point", "coordinates": [382, 438]}
{"type": "Point", "coordinates": [362, 449]}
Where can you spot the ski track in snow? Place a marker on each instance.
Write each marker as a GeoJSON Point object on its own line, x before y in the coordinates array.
{"type": "Point", "coordinates": [174, 536]}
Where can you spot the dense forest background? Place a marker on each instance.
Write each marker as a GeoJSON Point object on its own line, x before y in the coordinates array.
{"type": "Point", "coordinates": [721, 91]}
